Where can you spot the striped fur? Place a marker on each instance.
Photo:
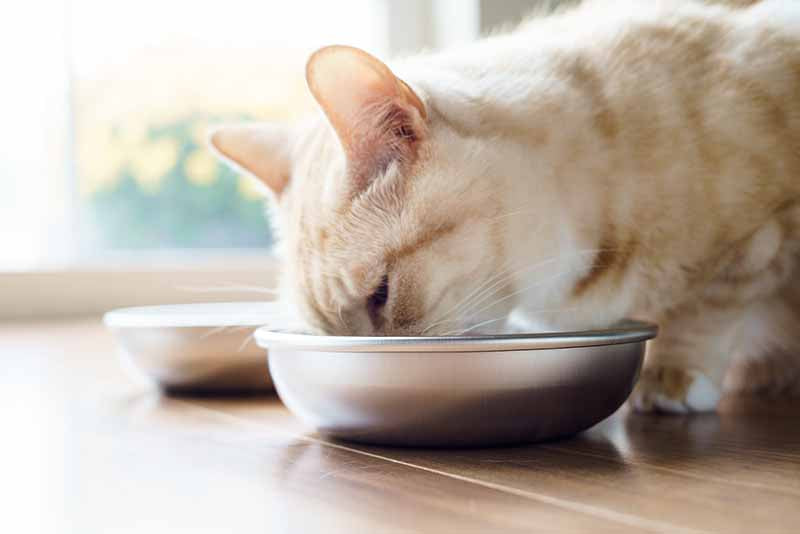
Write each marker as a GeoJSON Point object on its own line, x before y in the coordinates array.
{"type": "Point", "coordinates": [628, 158]}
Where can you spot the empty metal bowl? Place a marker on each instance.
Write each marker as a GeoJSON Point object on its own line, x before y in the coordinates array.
{"type": "Point", "coordinates": [456, 391]}
{"type": "Point", "coordinates": [195, 348]}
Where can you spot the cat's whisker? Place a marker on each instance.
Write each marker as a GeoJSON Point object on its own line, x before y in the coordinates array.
{"type": "Point", "coordinates": [250, 337]}
{"type": "Point", "coordinates": [214, 331]}
{"type": "Point", "coordinates": [498, 286]}
{"type": "Point", "coordinates": [232, 327]}
{"type": "Point", "coordinates": [235, 325]}
{"type": "Point", "coordinates": [519, 291]}
{"type": "Point", "coordinates": [494, 303]}
{"type": "Point", "coordinates": [494, 284]}
{"type": "Point", "coordinates": [505, 316]}
{"type": "Point", "coordinates": [517, 212]}
{"type": "Point", "coordinates": [485, 292]}
{"type": "Point", "coordinates": [473, 327]}
{"type": "Point", "coordinates": [491, 287]}
{"type": "Point", "coordinates": [439, 323]}
{"type": "Point", "coordinates": [505, 269]}
{"type": "Point", "coordinates": [454, 309]}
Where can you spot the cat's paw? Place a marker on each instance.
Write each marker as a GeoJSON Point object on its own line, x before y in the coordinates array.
{"type": "Point", "coordinates": [674, 390]}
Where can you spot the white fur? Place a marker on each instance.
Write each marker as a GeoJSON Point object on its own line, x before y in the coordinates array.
{"type": "Point", "coordinates": [703, 395]}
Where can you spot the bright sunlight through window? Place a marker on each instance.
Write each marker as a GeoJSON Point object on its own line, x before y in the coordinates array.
{"type": "Point", "coordinates": [109, 123]}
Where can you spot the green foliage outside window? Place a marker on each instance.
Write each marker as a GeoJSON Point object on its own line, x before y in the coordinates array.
{"type": "Point", "coordinates": [188, 201]}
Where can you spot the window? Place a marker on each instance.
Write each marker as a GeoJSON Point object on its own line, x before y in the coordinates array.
{"type": "Point", "coordinates": [143, 102]}
{"type": "Point", "coordinates": [108, 195]}
{"type": "Point", "coordinates": [123, 94]}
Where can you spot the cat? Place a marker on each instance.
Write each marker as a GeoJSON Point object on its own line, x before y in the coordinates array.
{"type": "Point", "coordinates": [617, 159]}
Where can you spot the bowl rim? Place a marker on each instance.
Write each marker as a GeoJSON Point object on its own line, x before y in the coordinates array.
{"type": "Point", "coordinates": [628, 331]}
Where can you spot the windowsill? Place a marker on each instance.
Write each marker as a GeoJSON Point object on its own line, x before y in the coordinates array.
{"type": "Point", "coordinates": [127, 280]}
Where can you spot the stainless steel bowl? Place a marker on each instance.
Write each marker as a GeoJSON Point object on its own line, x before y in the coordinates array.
{"type": "Point", "coordinates": [456, 391]}
{"type": "Point", "coordinates": [195, 348]}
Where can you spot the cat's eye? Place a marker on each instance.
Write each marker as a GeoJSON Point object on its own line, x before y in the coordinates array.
{"type": "Point", "coordinates": [377, 301]}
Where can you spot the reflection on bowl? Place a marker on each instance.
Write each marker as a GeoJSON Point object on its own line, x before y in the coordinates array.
{"type": "Point", "coordinates": [456, 391]}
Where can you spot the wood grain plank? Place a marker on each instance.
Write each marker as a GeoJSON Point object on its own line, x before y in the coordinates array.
{"type": "Point", "coordinates": [705, 473]}
{"type": "Point", "coordinates": [259, 416]}
{"type": "Point", "coordinates": [88, 450]}
{"type": "Point", "coordinates": [182, 463]}
{"type": "Point", "coordinates": [100, 453]}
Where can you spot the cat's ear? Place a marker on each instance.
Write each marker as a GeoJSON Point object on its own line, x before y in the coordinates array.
{"type": "Point", "coordinates": [260, 150]}
{"type": "Point", "coordinates": [376, 115]}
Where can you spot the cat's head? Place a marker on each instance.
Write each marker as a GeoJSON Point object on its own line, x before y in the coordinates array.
{"type": "Point", "coordinates": [383, 208]}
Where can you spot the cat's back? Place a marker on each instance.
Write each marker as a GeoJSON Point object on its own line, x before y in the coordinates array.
{"type": "Point", "coordinates": [731, 58]}
{"type": "Point", "coordinates": [673, 37]}
{"type": "Point", "coordinates": [692, 108]}
{"type": "Point", "coordinates": [654, 55]}
{"type": "Point", "coordinates": [666, 78]}
{"type": "Point", "coordinates": [762, 37]}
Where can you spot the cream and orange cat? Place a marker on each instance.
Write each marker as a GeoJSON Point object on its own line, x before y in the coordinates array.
{"type": "Point", "coordinates": [620, 159]}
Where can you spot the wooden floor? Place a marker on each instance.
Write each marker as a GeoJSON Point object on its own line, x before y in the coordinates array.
{"type": "Point", "coordinates": [86, 449]}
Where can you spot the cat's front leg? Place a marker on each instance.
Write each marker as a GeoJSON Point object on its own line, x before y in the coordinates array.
{"type": "Point", "coordinates": [674, 389]}
{"type": "Point", "coordinates": [685, 367]}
